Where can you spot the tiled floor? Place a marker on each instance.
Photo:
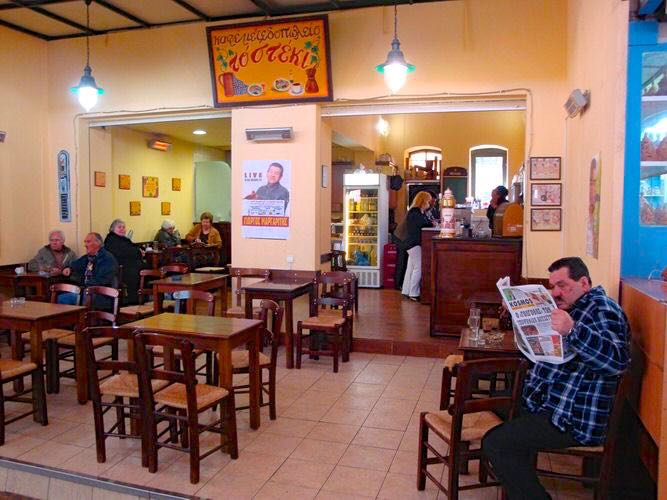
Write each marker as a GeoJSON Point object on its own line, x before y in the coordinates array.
{"type": "Point", "coordinates": [347, 435]}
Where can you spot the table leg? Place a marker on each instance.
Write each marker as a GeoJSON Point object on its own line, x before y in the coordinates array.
{"type": "Point", "coordinates": [289, 335]}
{"type": "Point", "coordinates": [17, 353]}
{"type": "Point", "coordinates": [225, 374]}
{"type": "Point", "coordinates": [36, 352]}
{"type": "Point", "coordinates": [157, 300]}
{"type": "Point", "coordinates": [254, 376]}
{"type": "Point", "coordinates": [223, 297]}
{"type": "Point", "coordinates": [81, 371]}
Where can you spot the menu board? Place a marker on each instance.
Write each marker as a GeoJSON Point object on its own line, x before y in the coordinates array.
{"type": "Point", "coordinates": [283, 61]}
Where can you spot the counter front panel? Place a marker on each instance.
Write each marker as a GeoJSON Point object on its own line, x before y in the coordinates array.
{"type": "Point", "coordinates": [461, 267]}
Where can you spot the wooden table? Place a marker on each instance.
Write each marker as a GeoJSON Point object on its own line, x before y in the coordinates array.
{"type": "Point", "coordinates": [474, 350]}
{"type": "Point", "coordinates": [191, 281]}
{"type": "Point", "coordinates": [36, 317]}
{"type": "Point", "coordinates": [41, 283]}
{"type": "Point", "coordinates": [283, 290]}
{"type": "Point", "coordinates": [216, 334]}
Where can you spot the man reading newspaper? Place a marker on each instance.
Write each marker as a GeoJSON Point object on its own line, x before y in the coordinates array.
{"type": "Point", "coordinates": [564, 404]}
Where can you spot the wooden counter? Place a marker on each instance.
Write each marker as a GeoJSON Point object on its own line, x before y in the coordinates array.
{"type": "Point", "coordinates": [645, 304]}
{"type": "Point", "coordinates": [460, 267]}
{"type": "Point", "coordinates": [427, 236]}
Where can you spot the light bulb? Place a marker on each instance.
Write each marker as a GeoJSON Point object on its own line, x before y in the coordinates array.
{"type": "Point", "coordinates": [87, 97]}
{"type": "Point", "coordinates": [395, 75]}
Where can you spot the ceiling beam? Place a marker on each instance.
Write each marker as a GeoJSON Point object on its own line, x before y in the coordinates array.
{"type": "Point", "coordinates": [26, 31]}
{"type": "Point", "coordinates": [123, 13]}
{"type": "Point", "coordinates": [11, 6]}
{"type": "Point", "coordinates": [264, 7]}
{"type": "Point", "coordinates": [56, 17]}
{"type": "Point", "coordinates": [335, 3]}
{"type": "Point", "coordinates": [192, 9]}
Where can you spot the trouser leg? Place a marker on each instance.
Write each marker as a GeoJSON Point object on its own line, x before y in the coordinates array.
{"type": "Point", "coordinates": [415, 254]}
{"type": "Point", "coordinates": [408, 272]}
{"type": "Point", "coordinates": [511, 449]}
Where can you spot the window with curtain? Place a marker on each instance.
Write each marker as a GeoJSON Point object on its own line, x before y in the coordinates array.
{"type": "Point", "coordinates": [488, 169]}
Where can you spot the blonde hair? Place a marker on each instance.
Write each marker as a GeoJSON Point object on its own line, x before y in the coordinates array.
{"type": "Point", "coordinates": [422, 198]}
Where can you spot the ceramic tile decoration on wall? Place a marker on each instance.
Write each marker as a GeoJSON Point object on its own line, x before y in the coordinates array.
{"type": "Point", "coordinates": [124, 181]}
{"type": "Point", "coordinates": [166, 208]}
{"type": "Point", "coordinates": [150, 187]}
{"type": "Point", "coordinates": [100, 179]}
{"type": "Point", "coordinates": [135, 208]}
{"type": "Point", "coordinates": [546, 194]}
{"type": "Point", "coordinates": [175, 184]}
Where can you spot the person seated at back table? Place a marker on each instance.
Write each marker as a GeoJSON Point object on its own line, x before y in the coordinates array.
{"type": "Point", "coordinates": [54, 256]}
{"type": "Point", "coordinates": [569, 404]}
{"type": "Point", "coordinates": [97, 268]}
{"type": "Point", "coordinates": [168, 236]}
{"type": "Point", "coordinates": [128, 255]}
{"type": "Point", "coordinates": [204, 233]}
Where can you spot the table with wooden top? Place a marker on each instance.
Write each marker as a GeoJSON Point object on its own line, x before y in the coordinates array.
{"type": "Point", "coordinates": [154, 257]}
{"type": "Point", "coordinates": [283, 290]}
{"type": "Point", "coordinates": [40, 282]}
{"type": "Point", "coordinates": [190, 281]}
{"type": "Point", "coordinates": [477, 350]}
{"type": "Point", "coordinates": [36, 317]}
{"type": "Point", "coordinates": [217, 334]}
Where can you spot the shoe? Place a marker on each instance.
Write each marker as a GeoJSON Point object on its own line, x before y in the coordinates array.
{"type": "Point", "coordinates": [414, 299]}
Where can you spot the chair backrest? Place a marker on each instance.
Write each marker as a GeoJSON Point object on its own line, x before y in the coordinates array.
{"type": "Point", "coordinates": [171, 269]}
{"type": "Point", "coordinates": [147, 373]}
{"type": "Point", "coordinates": [271, 313]}
{"type": "Point", "coordinates": [238, 274]}
{"type": "Point", "coordinates": [99, 318]}
{"type": "Point", "coordinates": [94, 365]}
{"type": "Point", "coordinates": [58, 288]}
{"type": "Point", "coordinates": [338, 262]}
{"type": "Point", "coordinates": [467, 378]}
{"type": "Point", "coordinates": [186, 301]}
{"type": "Point", "coordinates": [337, 303]}
{"type": "Point", "coordinates": [145, 277]}
{"type": "Point", "coordinates": [337, 284]}
{"type": "Point", "coordinates": [98, 297]}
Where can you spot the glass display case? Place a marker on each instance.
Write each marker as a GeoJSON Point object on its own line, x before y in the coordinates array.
{"type": "Point", "coordinates": [645, 181]}
{"type": "Point", "coordinates": [653, 146]}
{"type": "Point", "coordinates": [366, 218]}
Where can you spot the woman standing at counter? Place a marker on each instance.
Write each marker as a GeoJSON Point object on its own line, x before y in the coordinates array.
{"type": "Point", "coordinates": [498, 197]}
{"type": "Point", "coordinates": [415, 221]}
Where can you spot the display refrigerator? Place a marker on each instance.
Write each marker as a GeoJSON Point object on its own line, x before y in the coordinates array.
{"type": "Point", "coordinates": [366, 214]}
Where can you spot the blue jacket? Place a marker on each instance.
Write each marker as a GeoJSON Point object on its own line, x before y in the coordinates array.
{"type": "Point", "coordinates": [105, 270]}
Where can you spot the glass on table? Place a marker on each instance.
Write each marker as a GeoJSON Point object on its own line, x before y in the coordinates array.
{"type": "Point", "coordinates": [474, 320]}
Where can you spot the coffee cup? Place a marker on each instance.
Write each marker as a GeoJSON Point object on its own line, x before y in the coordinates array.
{"type": "Point", "coordinates": [19, 270]}
{"type": "Point", "coordinates": [297, 88]}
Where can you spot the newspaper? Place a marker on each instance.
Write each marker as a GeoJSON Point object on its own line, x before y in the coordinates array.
{"type": "Point", "coordinates": [530, 307]}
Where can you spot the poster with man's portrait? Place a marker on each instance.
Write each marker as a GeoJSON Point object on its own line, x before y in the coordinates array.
{"type": "Point", "coordinates": [265, 210]}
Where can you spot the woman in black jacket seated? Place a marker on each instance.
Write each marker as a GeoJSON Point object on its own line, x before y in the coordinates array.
{"type": "Point", "coordinates": [128, 255]}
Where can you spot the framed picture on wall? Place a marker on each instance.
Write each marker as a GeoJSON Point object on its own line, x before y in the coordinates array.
{"type": "Point", "coordinates": [166, 208]}
{"type": "Point", "coordinates": [545, 168]}
{"type": "Point", "coordinates": [546, 194]}
{"type": "Point", "coordinates": [175, 184]}
{"type": "Point", "coordinates": [123, 181]}
{"type": "Point", "coordinates": [135, 208]}
{"type": "Point", "coordinates": [100, 179]}
{"type": "Point", "coordinates": [545, 219]}
{"type": "Point", "coordinates": [150, 187]}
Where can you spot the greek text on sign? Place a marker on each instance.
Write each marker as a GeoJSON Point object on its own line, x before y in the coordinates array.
{"type": "Point", "coordinates": [274, 61]}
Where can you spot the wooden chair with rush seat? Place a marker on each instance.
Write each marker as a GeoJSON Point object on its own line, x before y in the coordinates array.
{"type": "Point", "coordinates": [340, 284]}
{"type": "Point", "coordinates": [271, 313]}
{"type": "Point", "coordinates": [184, 399]}
{"type": "Point", "coordinates": [95, 297]}
{"type": "Point", "coordinates": [328, 328]}
{"type": "Point", "coordinates": [185, 302]}
{"type": "Point", "coordinates": [238, 275]}
{"type": "Point", "coordinates": [464, 423]}
{"type": "Point", "coordinates": [144, 308]}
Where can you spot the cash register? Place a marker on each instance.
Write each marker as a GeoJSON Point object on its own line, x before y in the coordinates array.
{"type": "Point", "coordinates": [508, 221]}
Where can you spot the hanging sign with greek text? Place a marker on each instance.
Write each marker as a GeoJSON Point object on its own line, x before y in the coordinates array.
{"type": "Point", "coordinates": [284, 61]}
{"type": "Point", "coordinates": [64, 194]}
